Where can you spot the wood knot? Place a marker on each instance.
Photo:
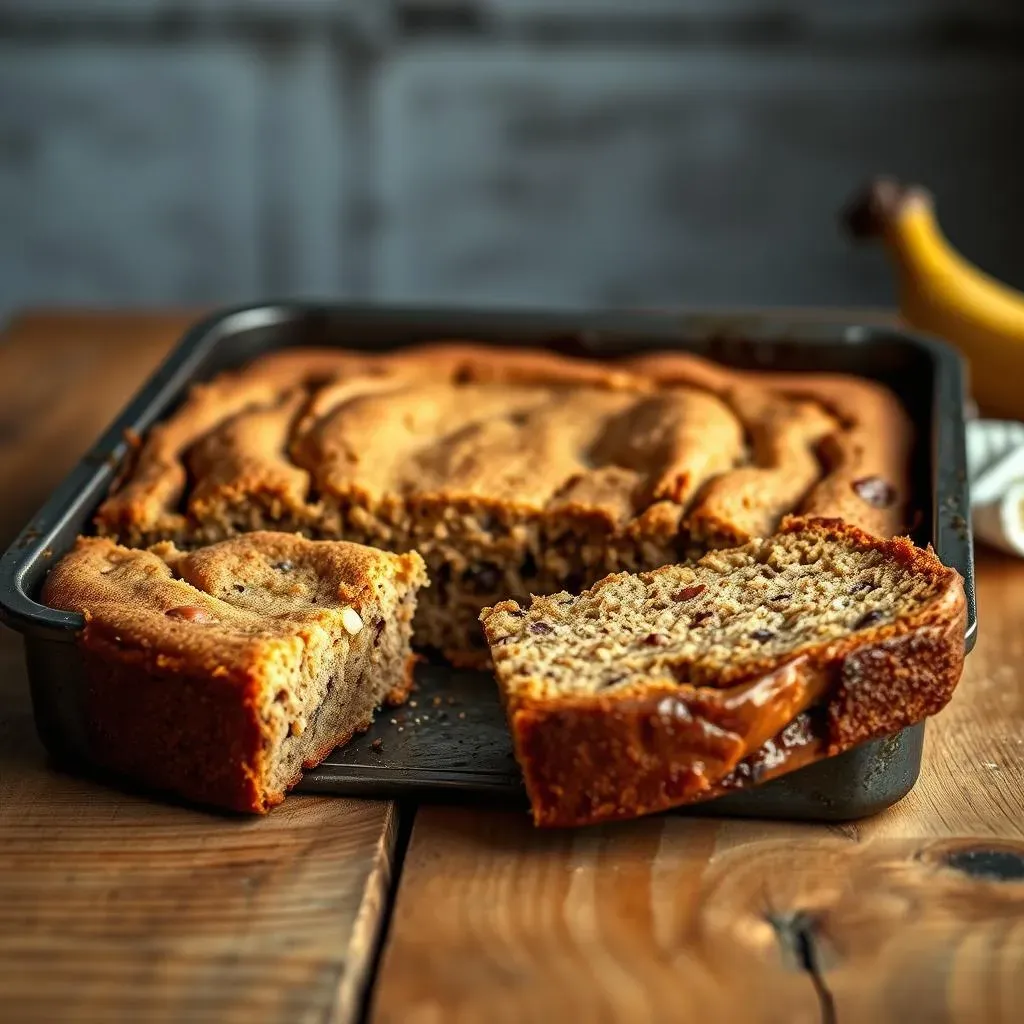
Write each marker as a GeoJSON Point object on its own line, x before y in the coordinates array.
{"type": "Point", "coordinates": [994, 865]}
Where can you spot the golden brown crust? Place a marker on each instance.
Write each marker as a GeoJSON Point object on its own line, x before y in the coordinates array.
{"type": "Point", "coordinates": [198, 737]}
{"type": "Point", "coordinates": [649, 746]}
{"type": "Point", "coordinates": [237, 431]}
{"type": "Point", "coordinates": [198, 665]}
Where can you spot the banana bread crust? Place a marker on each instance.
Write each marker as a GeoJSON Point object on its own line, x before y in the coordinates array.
{"type": "Point", "coordinates": [513, 471]}
{"type": "Point", "coordinates": [201, 739]}
{"type": "Point", "coordinates": [648, 746]}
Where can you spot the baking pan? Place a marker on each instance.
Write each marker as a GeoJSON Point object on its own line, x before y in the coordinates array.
{"type": "Point", "coordinates": [450, 741]}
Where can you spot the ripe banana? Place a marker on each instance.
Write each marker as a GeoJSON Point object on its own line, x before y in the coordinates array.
{"type": "Point", "coordinates": [940, 293]}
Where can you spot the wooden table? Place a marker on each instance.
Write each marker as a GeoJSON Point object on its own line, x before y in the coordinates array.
{"type": "Point", "coordinates": [115, 908]}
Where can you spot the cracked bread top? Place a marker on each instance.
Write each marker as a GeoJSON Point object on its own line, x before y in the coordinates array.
{"type": "Point", "coordinates": [230, 609]}
{"type": "Point", "coordinates": [340, 443]}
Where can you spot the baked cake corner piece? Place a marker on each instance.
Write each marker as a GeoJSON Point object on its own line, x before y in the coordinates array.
{"type": "Point", "coordinates": [219, 674]}
{"type": "Point", "coordinates": [667, 687]}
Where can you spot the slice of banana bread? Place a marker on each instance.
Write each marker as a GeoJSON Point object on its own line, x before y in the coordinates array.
{"type": "Point", "coordinates": [218, 675]}
{"type": "Point", "coordinates": [513, 471]}
{"type": "Point", "coordinates": [672, 686]}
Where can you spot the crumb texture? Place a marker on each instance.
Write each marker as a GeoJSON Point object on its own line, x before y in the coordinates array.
{"type": "Point", "coordinates": [512, 471]}
{"type": "Point", "coordinates": [710, 621]}
{"type": "Point", "coordinates": [675, 685]}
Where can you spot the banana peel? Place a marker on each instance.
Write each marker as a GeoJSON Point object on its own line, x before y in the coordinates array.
{"type": "Point", "coordinates": [942, 294]}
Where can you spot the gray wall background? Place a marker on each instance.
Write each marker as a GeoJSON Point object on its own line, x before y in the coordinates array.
{"type": "Point", "coordinates": [537, 152]}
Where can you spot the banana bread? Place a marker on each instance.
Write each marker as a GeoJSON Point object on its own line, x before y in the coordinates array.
{"type": "Point", "coordinates": [218, 675]}
{"type": "Point", "coordinates": [512, 471]}
{"type": "Point", "coordinates": [653, 690]}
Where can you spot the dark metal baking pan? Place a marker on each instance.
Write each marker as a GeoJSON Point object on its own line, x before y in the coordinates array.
{"type": "Point", "coordinates": [450, 741]}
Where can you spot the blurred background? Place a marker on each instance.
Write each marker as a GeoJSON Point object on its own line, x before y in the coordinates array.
{"type": "Point", "coordinates": [537, 152]}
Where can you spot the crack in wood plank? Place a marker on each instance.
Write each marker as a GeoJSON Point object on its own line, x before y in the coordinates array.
{"type": "Point", "coordinates": [797, 935]}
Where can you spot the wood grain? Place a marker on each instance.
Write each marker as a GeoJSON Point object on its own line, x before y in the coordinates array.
{"type": "Point", "coordinates": [914, 915]}
{"type": "Point", "coordinates": [114, 907]}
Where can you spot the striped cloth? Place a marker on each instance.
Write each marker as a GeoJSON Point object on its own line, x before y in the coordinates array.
{"type": "Point", "coordinates": [995, 467]}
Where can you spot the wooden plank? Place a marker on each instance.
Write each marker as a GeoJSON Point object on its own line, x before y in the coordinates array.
{"type": "Point", "coordinates": [689, 919]}
{"type": "Point", "coordinates": [63, 378]}
{"type": "Point", "coordinates": [497, 921]}
{"type": "Point", "coordinates": [117, 908]}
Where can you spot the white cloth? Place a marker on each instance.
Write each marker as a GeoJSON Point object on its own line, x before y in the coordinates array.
{"type": "Point", "coordinates": [995, 468]}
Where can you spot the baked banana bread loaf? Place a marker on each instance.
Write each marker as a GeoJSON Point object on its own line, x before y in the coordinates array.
{"type": "Point", "coordinates": [658, 689]}
{"type": "Point", "coordinates": [512, 471]}
{"type": "Point", "coordinates": [219, 674]}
